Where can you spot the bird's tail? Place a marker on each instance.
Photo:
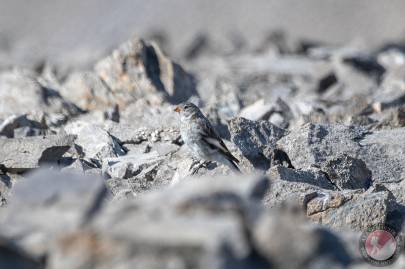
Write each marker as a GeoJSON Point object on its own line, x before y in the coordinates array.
{"type": "Point", "coordinates": [234, 166]}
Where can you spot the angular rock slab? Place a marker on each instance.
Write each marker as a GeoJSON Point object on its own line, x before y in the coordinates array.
{"type": "Point", "coordinates": [313, 177]}
{"type": "Point", "coordinates": [21, 154]}
{"type": "Point", "coordinates": [358, 212]}
{"type": "Point", "coordinates": [384, 153]}
{"type": "Point", "coordinates": [316, 144]}
{"type": "Point", "coordinates": [94, 142]}
{"type": "Point", "coordinates": [255, 139]}
{"type": "Point", "coordinates": [131, 134]}
{"type": "Point", "coordinates": [347, 173]}
{"type": "Point", "coordinates": [138, 69]}
{"type": "Point", "coordinates": [130, 165]}
{"type": "Point", "coordinates": [294, 187]}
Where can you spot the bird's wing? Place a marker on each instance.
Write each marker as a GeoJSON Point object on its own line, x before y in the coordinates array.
{"type": "Point", "coordinates": [209, 135]}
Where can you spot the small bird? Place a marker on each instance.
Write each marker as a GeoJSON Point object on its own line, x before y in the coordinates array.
{"type": "Point", "coordinates": [199, 135]}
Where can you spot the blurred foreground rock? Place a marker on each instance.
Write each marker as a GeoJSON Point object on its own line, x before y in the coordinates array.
{"type": "Point", "coordinates": [205, 222]}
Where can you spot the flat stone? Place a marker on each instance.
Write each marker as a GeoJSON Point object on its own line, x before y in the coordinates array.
{"type": "Point", "coordinates": [22, 154]}
{"type": "Point", "coordinates": [94, 142]}
{"type": "Point", "coordinates": [257, 111]}
{"type": "Point", "coordinates": [313, 177]}
{"type": "Point", "coordinates": [350, 210]}
{"type": "Point", "coordinates": [130, 165]}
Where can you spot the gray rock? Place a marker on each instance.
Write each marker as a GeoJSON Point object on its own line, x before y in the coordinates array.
{"type": "Point", "coordinates": [398, 190]}
{"type": "Point", "coordinates": [129, 134]}
{"type": "Point", "coordinates": [187, 165]}
{"type": "Point", "coordinates": [145, 114]}
{"type": "Point", "coordinates": [392, 118]}
{"type": "Point", "coordinates": [347, 172]}
{"type": "Point", "coordinates": [382, 151]}
{"type": "Point", "coordinates": [203, 192]}
{"type": "Point", "coordinates": [88, 91]}
{"type": "Point", "coordinates": [5, 186]}
{"type": "Point", "coordinates": [94, 142]}
{"type": "Point", "coordinates": [351, 210]}
{"type": "Point", "coordinates": [257, 111]}
{"type": "Point", "coordinates": [138, 69]}
{"type": "Point", "coordinates": [278, 113]}
{"type": "Point", "coordinates": [315, 143]}
{"type": "Point", "coordinates": [130, 165]}
{"type": "Point", "coordinates": [391, 91]}
{"type": "Point", "coordinates": [21, 93]}
{"type": "Point", "coordinates": [22, 154]}
{"type": "Point", "coordinates": [121, 188]}
{"type": "Point", "coordinates": [146, 166]}
{"type": "Point", "coordinates": [212, 223]}
{"type": "Point", "coordinates": [20, 126]}
{"type": "Point", "coordinates": [48, 203]}
{"type": "Point", "coordinates": [80, 166]}
{"type": "Point", "coordinates": [313, 177]}
{"type": "Point", "coordinates": [392, 59]}
{"type": "Point", "coordinates": [291, 187]}
{"type": "Point", "coordinates": [203, 216]}
{"type": "Point", "coordinates": [28, 131]}
{"type": "Point", "coordinates": [255, 139]}
{"type": "Point", "coordinates": [293, 65]}
{"type": "Point", "coordinates": [313, 247]}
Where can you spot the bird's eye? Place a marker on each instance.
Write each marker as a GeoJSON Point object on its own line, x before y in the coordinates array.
{"type": "Point", "coordinates": [186, 106]}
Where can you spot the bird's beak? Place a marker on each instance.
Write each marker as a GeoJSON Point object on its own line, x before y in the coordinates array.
{"type": "Point", "coordinates": [177, 109]}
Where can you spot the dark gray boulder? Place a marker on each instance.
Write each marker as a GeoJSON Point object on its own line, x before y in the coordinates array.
{"type": "Point", "coordinates": [318, 144]}
{"type": "Point", "coordinates": [347, 172]}
{"type": "Point", "coordinates": [255, 139]}
{"type": "Point", "coordinates": [315, 143]}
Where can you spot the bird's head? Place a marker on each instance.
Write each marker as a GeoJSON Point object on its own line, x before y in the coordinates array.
{"type": "Point", "coordinates": [187, 110]}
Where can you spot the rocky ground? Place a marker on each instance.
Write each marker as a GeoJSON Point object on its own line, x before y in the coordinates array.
{"type": "Point", "coordinates": [94, 173]}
